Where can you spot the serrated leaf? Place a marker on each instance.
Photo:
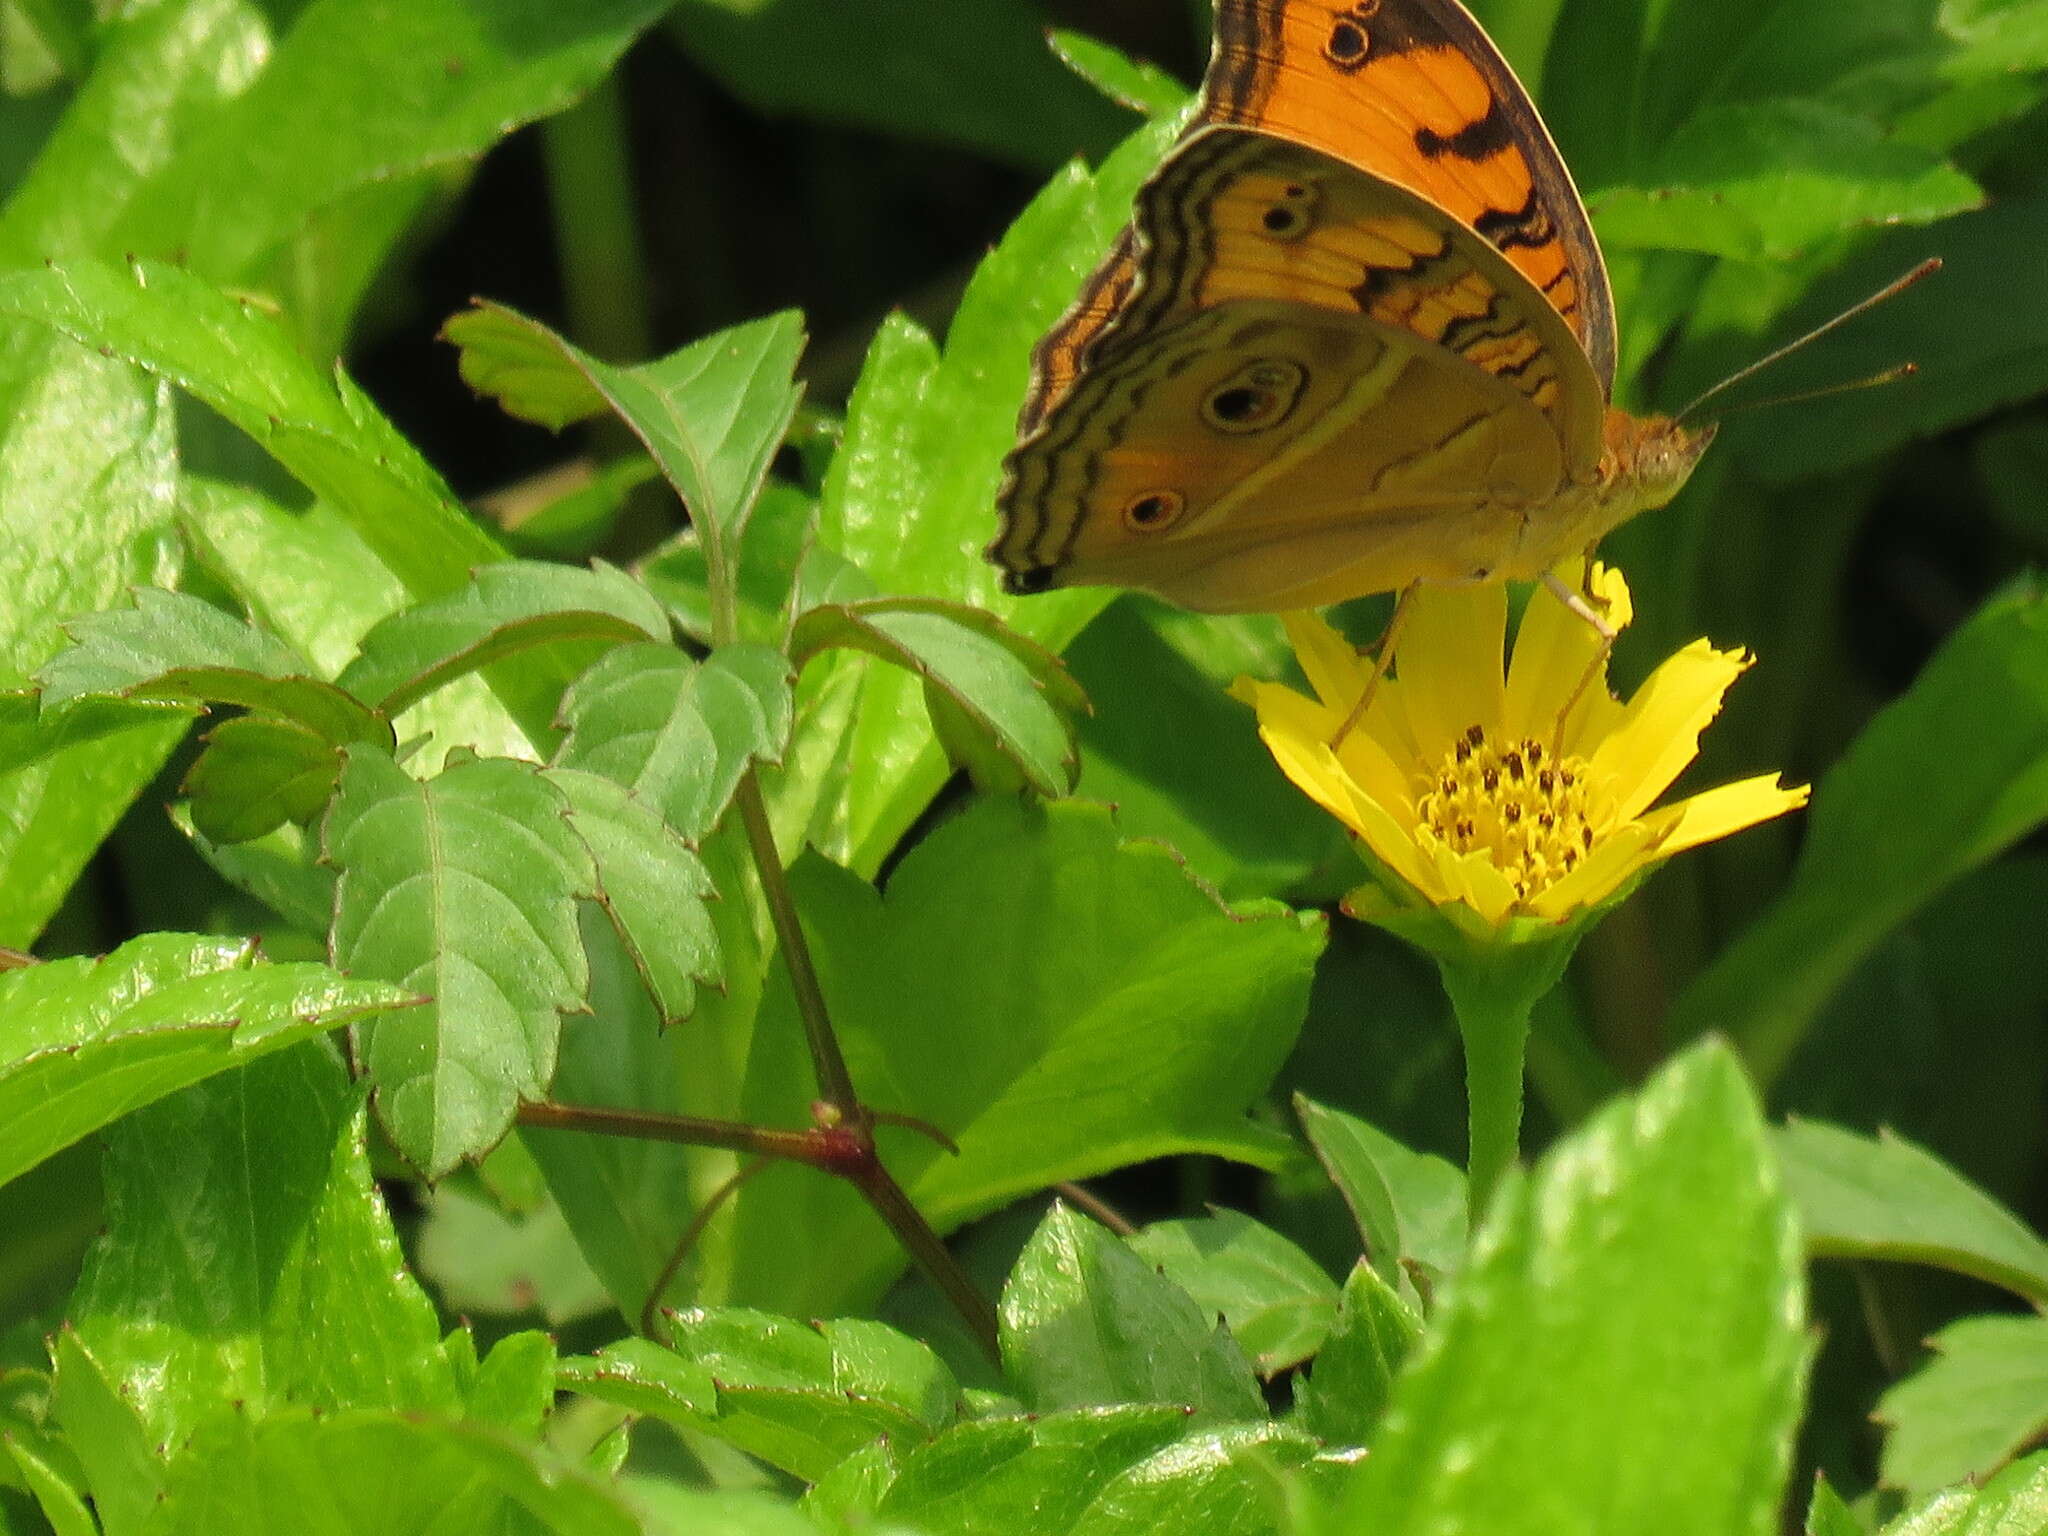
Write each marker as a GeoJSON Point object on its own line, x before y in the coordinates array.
{"type": "Point", "coordinates": [1982, 1399]}
{"type": "Point", "coordinates": [1221, 1482]}
{"type": "Point", "coordinates": [567, 615]}
{"type": "Point", "coordinates": [1352, 1380]}
{"type": "Point", "coordinates": [1885, 1198]}
{"type": "Point", "coordinates": [1085, 1323]}
{"type": "Point", "coordinates": [1652, 1246]}
{"type": "Point", "coordinates": [84, 1042]}
{"type": "Point", "coordinates": [712, 414]}
{"type": "Point", "coordinates": [1024, 1477]}
{"type": "Point", "coordinates": [243, 364]}
{"type": "Point", "coordinates": [1013, 695]}
{"type": "Point", "coordinates": [2014, 1503]}
{"type": "Point", "coordinates": [1409, 1206]}
{"type": "Point", "coordinates": [1897, 820]}
{"type": "Point", "coordinates": [1058, 1002]}
{"type": "Point", "coordinates": [122, 651]}
{"type": "Point", "coordinates": [677, 733]}
{"type": "Point", "coordinates": [1277, 1301]}
{"type": "Point", "coordinates": [651, 883]}
{"type": "Point", "coordinates": [256, 774]}
{"type": "Point", "coordinates": [522, 366]}
{"type": "Point", "coordinates": [462, 889]}
{"type": "Point", "coordinates": [801, 1398]}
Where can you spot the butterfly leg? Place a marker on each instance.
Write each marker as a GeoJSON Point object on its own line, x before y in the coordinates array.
{"type": "Point", "coordinates": [1581, 604]}
{"type": "Point", "coordinates": [1403, 606]}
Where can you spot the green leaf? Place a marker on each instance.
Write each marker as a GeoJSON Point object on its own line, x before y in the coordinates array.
{"type": "Point", "coordinates": [257, 1270]}
{"type": "Point", "coordinates": [85, 501]}
{"type": "Point", "coordinates": [1651, 1247]}
{"type": "Point", "coordinates": [482, 1262]}
{"type": "Point", "coordinates": [652, 885]}
{"type": "Point", "coordinates": [508, 610]}
{"type": "Point", "coordinates": [910, 490]}
{"type": "Point", "coordinates": [124, 650]}
{"type": "Point", "coordinates": [1057, 1002]}
{"type": "Point", "coordinates": [677, 733]}
{"type": "Point", "coordinates": [2013, 1503]}
{"type": "Point", "coordinates": [1409, 1206]}
{"type": "Point", "coordinates": [1086, 1323]}
{"type": "Point", "coordinates": [1827, 1515]}
{"type": "Point", "coordinates": [523, 366]}
{"type": "Point", "coordinates": [57, 1499]}
{"type": "Point", "coordinates": [1352, 1381]}
{"type": "Point", "coordinates": [1885, 1198]}
{"type": "Point", "coordinates": [712, 414]}
{"type": "Point", "coordinates": [370, 1473]}
{"type": "Point", "coordinates": [1276, 1301]}
{"type": "Point", "coordinates": [1904, 814]}
{"type": "Point", "coordinates": [256, 774]}
{"type": "Point", "coordinates": [1024, 1477]}
{"type": "Point", "coordinates": [241, 363]}
{"type": "Point", "coordinates": [462, 889]}
{"type": "Point", "coordinates": [1013, 695]}
{"type": "Point", "coordinates": [1766, 180]}
{"type": "Point", "coordinates": [1142, 87]}
{"type": "Point", "coordinates": [84, 1042]}
{"type": "Point", "coordinates": [1221, 1482]}
{"type": "Point", "coordinates": [277, 869]}
{"type": "Point", "coordinates": [1982, 1399]}
{"type": "Point", "coordinates": [974, 73]}
{"type": "Point", "coordinates": [800, 1398]}
{"type": "Point", "coordinates": [30, 733]}
{"type": "Point", "coordinates": [776, 544]}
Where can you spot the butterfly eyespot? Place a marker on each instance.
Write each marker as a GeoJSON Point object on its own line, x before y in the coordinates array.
{"type": "Point", "coordinates": [1256, 397]}
{"type": "Point", "coordinates": [1347, 44]}
{"type": "Point", "coordinates": [1294, 215]}
{"type": "Point", "coordinates": [1154, 510]}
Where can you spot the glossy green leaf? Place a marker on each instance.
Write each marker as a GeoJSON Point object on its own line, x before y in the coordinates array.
{"type": "Point", "coordinates": [976, 73]}
{"type": "Point", "coordinates": [1276, 1301]}
{"type": "Point", "coordinates": [1014, 696]}
{"type": "Point", "coordinates": [86, 1041]}
{"type": "Point", "coordinates": [1086, 1323]}
{"type": "Point", "coordinates": [1129, 83]}
{"type": "Point", "coordinates": [1899, 818]}
{"type": "Point", "coordinates": [1222, 1482]}
{"type": "Point", "coordinates": [651, 883]}
{"type": "Point", "coordinates": [1983, 1398]}
{"type": "Point", "coordinates": [240, 362]}
{"type": "Point", "coordinates": [58, 1500]}
{"type": "Point", "coordinates": [678, 733]}
{"type": "Point", "coordinates": [1024, 1477]}
{"type": "Point", "coordinates": [2014, 1503]}
{"type": "Point", "coordinates": [910, 491]}
{"type": "Point", "coordinates": [801, 1398]}
{"type": "Point", "coordinates": [507, 609]}
{"type": "Point", "coordinates": [1885, 1198]}
{"type": "Point", "coordinates": [462, 889]}
{"type": "Point", "coordinates": [1652, 1246]}
{"type": "Point", "coordinates": [29, 733]}
{"type": "Point", "coordinates": [712, 414]}
{"type": "Point", "coordinates": [1409, 1206]}
{"type": "Point", "coordinates": [1057, 1002]}
{"type": "Point", "coordinates": [1352, 1380]}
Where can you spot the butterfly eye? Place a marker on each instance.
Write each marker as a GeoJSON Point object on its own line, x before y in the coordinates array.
{"type": "Point", "coordinates": [1255, 397]}
{"type": "Point", "coordinates": [1154, 511]}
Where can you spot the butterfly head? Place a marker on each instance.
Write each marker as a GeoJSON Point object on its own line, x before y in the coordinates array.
{"type": "Point", "coordinates": [1649, 458]}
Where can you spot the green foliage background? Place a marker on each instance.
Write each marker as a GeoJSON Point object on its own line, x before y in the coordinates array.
{"type": "Point", "coordinates": [472, 731]}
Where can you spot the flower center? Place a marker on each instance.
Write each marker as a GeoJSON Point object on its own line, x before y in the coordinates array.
{"type": "Point", "coordinates": [1517, 803]}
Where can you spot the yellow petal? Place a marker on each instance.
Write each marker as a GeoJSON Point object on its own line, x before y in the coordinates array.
{"type": "Point", "coordinates": [1315, 771]}
{"type": "Point", "coordinates": [1449, 664]}
{"type": "Point", "coordinates": [1556, 650]}
{"type": "Point", "coordinates": [1284, 712]}
{"type": "Point", "coordinates": [1659, 732]}
{"type": "Point", "coordinates": [1472, 878]}
{"type": "Point", "coordinates": [1614, 858]}
{"type": "Point", "coordinates": [1716, 813]}
{"type": "Point", "coordinates": [1331, 663]}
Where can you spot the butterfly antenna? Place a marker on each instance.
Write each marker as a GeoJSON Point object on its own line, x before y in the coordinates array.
{"type": "Point", "coordinates": [1875, 381]}
{"type": "Point", "coordinates": [1883, 295]}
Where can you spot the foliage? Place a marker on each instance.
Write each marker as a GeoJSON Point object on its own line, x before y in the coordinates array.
{"type": "Point", "coordinates": [598, 805]}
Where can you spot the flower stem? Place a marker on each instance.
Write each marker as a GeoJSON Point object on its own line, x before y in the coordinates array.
{"type": "Point", "coordinates": [1493, 990]}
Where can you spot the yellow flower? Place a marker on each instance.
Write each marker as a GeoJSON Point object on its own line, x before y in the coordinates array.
{"type": "Point", "coordinates": [1464, 784]}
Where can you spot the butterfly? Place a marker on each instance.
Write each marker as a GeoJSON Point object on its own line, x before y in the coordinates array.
{"type": "Point", "coordinates": [1358, 335]}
